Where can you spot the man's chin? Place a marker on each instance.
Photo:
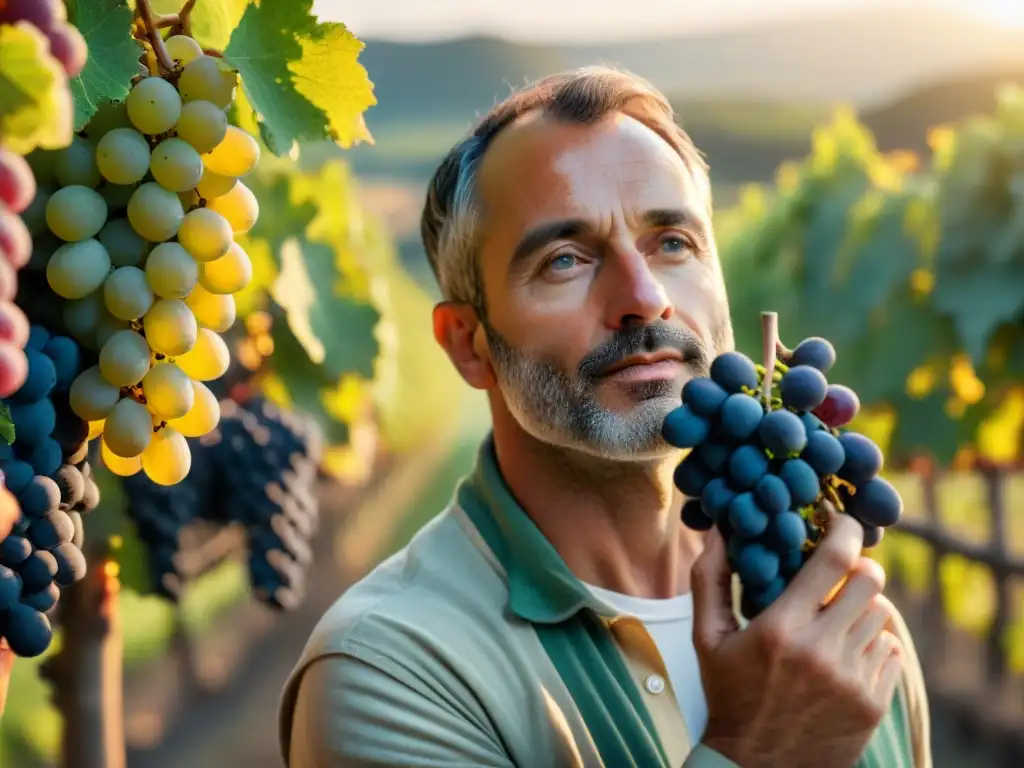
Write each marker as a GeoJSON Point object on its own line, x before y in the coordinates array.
{"type": "Point", "coordinates": [643, 404]}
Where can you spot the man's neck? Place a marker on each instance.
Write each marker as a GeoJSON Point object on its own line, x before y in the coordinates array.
{"type": "Point", "coordinates": [616, 524]}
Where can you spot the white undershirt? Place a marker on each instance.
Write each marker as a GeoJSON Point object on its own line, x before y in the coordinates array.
{"type": "Point", "coordinates": [670, 623]}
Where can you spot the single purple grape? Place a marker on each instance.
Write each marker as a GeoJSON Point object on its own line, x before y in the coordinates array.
{"type": "Point", "coordinates": [840, 407]}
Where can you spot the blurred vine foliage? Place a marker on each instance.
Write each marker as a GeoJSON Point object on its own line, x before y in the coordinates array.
{"type": "Point", "coordinates": [331, 324]}
{"type": "Point", "coordinates": [913, 268]}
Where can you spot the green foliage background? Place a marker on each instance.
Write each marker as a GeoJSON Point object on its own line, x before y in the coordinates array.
{"type": "Point", "coordinates": [913, 269]}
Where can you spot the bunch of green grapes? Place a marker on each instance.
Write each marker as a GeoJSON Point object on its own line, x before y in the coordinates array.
{"type": "Point", "coordinates": [137, 232]}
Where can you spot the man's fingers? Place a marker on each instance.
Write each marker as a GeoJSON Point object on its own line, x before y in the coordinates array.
{"type": "Point", "coordinates": [713, 616]}
{"type": "Point", "coordinates": [889, 676]}
{"type": "Point", "coordinates": [866, 581]}
{"type": "Point", "coordinates": [833, 558]}
{"type": "Point", "coordinates": [867, 627]}
{"type": "Point", "coordinates": [877, 653]}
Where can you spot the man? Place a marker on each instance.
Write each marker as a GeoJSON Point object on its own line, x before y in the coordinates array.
{"type": "Point", "coordinates": [546, 617]}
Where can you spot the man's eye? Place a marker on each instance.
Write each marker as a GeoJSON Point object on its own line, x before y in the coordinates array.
{"type": "Point", "coordinates": [674, 244]}
{"type": "Point", "coordinates": [562, 261]}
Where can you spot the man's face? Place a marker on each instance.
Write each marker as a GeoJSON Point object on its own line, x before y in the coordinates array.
{"type": "Point", "coordinates": [603, 289]}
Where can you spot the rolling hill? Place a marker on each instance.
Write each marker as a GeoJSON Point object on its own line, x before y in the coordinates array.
{"type": "Point", "coordinates": [866, 57]}
{"type": "Point", "coordinates": [749, 98]}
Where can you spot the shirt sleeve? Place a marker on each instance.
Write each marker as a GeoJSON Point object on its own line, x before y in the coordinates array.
{"type": "Point", "coordinates": [353, 713]}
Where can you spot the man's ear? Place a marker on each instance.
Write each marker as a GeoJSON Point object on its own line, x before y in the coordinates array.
{"type": "Point", "coordinates": [457, 329]}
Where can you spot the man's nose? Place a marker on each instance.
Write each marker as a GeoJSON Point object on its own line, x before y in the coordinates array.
{"type": "Point", "coordinates": [635, 294]}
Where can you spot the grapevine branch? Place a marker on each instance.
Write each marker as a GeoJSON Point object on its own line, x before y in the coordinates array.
{"type": "Point", "coordinates": [145, 12]}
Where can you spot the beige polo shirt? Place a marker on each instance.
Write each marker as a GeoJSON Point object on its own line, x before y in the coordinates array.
{"type": "Point", "coordinates": [476, 646]}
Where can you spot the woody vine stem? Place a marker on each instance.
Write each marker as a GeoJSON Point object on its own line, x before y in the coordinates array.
{"type": "Point", "coordinates": [152, 23]}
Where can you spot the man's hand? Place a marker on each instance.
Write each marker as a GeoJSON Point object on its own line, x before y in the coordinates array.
{"type": "Point", "coordinates": [9, 514]}
{"type": "Point", "coordinates": [802, 685]}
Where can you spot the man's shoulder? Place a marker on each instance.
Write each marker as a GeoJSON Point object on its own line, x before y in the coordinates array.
{"type": "Point", "coordinates": [406, 638]}
{"type": "Point", "coordinates": [421, 597]}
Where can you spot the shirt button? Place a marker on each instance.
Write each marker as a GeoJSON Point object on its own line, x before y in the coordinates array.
{"type": "Point", "coordinates": [655, 684]}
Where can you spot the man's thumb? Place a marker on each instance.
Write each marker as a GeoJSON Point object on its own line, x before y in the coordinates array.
{"type": "Point", "coordinates": [713, 617]}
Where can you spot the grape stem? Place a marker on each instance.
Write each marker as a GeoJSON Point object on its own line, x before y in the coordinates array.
{"type": "Point", "coordinates": [145, 12]}
{"type": "Point", "coordinates": [185, 15]}
{"type": "Point", "coordinates": [770, 340]}
{"type": "Point", "coordinates": [833, 495]}
{"type": "Point", "coordinates": [165, 20]}
{"type": "Point", "coordinates": [840, 483]}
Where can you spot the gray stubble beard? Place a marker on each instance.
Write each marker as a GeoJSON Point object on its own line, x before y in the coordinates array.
{"type": "Point", "coordinates": [559, 409]}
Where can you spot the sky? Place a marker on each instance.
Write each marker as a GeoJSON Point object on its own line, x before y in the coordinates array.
{"type": "Point", "coordinates": [583, 20]}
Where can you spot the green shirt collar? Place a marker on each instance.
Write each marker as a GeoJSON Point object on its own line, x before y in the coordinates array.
{"type": "Point", "coordinates": [542, 589]}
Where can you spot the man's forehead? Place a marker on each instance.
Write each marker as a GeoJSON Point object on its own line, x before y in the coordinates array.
{"type": "Point", "coordinates": [539, 158]}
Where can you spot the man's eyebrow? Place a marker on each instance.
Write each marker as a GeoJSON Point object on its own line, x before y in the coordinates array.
{"type": "Point", "coordinates": [565, 229]}
{"type": "Point", "coordinates": [545, 233]}
{"type": "Point", "coordinates": [676, 217]}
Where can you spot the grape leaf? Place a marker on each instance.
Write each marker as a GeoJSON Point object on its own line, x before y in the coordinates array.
{"type": "Point", "coordinates": [113, 60]}
{"type": "Point", "coordinates": [35, 104]}
{"type": "Point", "coordinates": [291, 217]}
{"type": "Point", "coordinates": [336, 331]}
{"type": "Point", "coordinates": [307, 383]}
{"type": "Point", "coordinates": [980, 298]}
{"type": "Point", "coordinates": [302, 77]}
{"type": "Point", "coordinates": [322, 288]}
{"type": "Point", "coordinates": [6, 424]}
{"type": "Point", "coordinates": [924, 427]}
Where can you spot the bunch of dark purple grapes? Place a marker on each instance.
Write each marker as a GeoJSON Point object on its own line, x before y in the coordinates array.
{"type": "Point", "coordinates": [257, 469]}
{"type": "Point", "coordinates": [45, 466]}
{"type": "Point", "coordinates": [760, 466]}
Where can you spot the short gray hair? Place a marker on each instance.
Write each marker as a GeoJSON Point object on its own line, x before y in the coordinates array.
{"type": "Point", "coordinates": [451, 216]}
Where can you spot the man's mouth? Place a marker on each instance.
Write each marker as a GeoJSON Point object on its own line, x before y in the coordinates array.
{"type": "Point", "coordinates": [653, 366]}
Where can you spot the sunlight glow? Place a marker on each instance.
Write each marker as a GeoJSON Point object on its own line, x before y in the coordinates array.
{"type": "Point", "coordinates": [1005, 13]}
{"type": "Point", "coordinates": [583, 20]}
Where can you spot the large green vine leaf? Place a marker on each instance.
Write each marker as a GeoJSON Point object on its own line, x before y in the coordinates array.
{"type": "Point", "coordinates": [980, 299]}
{"type": "Point", "coordinates": [924, 427]}
{"type": "Point", "coordinates": [35, 104]}
{"type": "Point", "coordinates": [302, 77]}
{"type": "Point", "coordinates": [106, 26]}
{"type": "Point", "coordinates": [326, 318]}
{"type": "Point", "coordinates": [307, 383]}
{"type": "Point", "coordinates": [335, 330]}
